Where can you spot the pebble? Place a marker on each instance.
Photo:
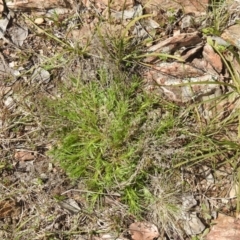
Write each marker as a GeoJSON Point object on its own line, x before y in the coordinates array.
{"type": "Point", "coordinates": [39, 21]}
{"type": "Point", "coordinates": [232, 35]}
{"type": "Point", "coordinates": [8, 102]}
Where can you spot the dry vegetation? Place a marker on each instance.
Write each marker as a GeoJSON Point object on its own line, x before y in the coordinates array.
{"type": "Point", "coordinates": [86, 149]}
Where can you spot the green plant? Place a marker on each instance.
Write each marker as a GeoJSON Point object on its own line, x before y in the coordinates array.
{"type": "Point", "coordinates": [121, 48]}
{"type": "Point", "coordinates": [103, 131]}
{"type": "Point", "coordinates": [100, 137]}
{"type": "Point", "coordinates": [217, 18]}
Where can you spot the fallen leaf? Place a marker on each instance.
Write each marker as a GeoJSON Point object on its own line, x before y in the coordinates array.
{"type": "Point", "coordinates": [143, 231]}
{"type": "Point", "coordinates": [24, 156]}
{"type": "Point", "coordinates": [8, 208]}
{"type": "Point", "coordinates": [71, 205]}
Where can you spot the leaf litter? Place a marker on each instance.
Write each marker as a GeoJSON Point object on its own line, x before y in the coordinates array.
{"type": "Point", "coordinates": [40, 184]}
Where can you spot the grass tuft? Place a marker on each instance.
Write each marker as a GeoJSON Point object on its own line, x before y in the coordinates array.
{"type": "Point", "coordinates": [99, 126]}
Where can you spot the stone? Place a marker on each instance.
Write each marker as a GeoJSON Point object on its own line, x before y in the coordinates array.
{"type": "Point", "coordinates": [232, 35]}
{"type": "Point", "coordinates": [39, 21]}
{"type": "Point", "coordinates": [18, 34]}
{"type": "Point", "coordinates": [193, 225]}
{"type": "Point", "coordinates": [9, 102]}
{"type": "Point", "coordinates": [234, 190]}
{"type": "Point", "coordinates": [187, 22]}
{"type": "Point", "coordinates": [40, 76]}
{"type": "Point", "coordinates": [225, 228]}
{"type": "Point", "coordinates": [212, 58]}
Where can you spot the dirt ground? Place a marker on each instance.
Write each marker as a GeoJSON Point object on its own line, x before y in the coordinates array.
{"type": "Point", "coordinates": [37, 199]}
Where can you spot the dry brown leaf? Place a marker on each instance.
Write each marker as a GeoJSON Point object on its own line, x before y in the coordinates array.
{"type": "Point", "coordinates": [8, 208]}
{"type": "Point", "coordinates": [143, 231]}
{"type": "Point", "coordinates": [24, 156]}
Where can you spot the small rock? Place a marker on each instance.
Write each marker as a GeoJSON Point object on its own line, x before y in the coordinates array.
{"type": "Point", "coordinates": [188, 201]}
{"type": "Point", "coordinates": [220, 41]}
{"type": "Point", "coordinates": [41, 75]}
{"type": "Point", "coordinates": [225, 228]}
{"type": "Point", "coordinates": [111, 236]}
{"type": "Point", "coordinates": [232, 35]}
{"type": "Point", "coordinates": [213, 58]}
{"type": "Point", "coordinates": [19, 34]}
{"type": "Point", "coordinates": [44, 177]}
{"type": "Point", "coordinates": [187, 22]}
{"type": "Point", "coordinates": [56, 225]}
{"type": "Point", "coordinates": [39, 21]}
{"type": "Point", "coordinates": [57, 11]}
{"type": "Point", "coordinates": [193, 225]}
{"type": "Point", "coordinates": [234, 191]}
{"type": "Point", "coordinates": [9, 102]}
